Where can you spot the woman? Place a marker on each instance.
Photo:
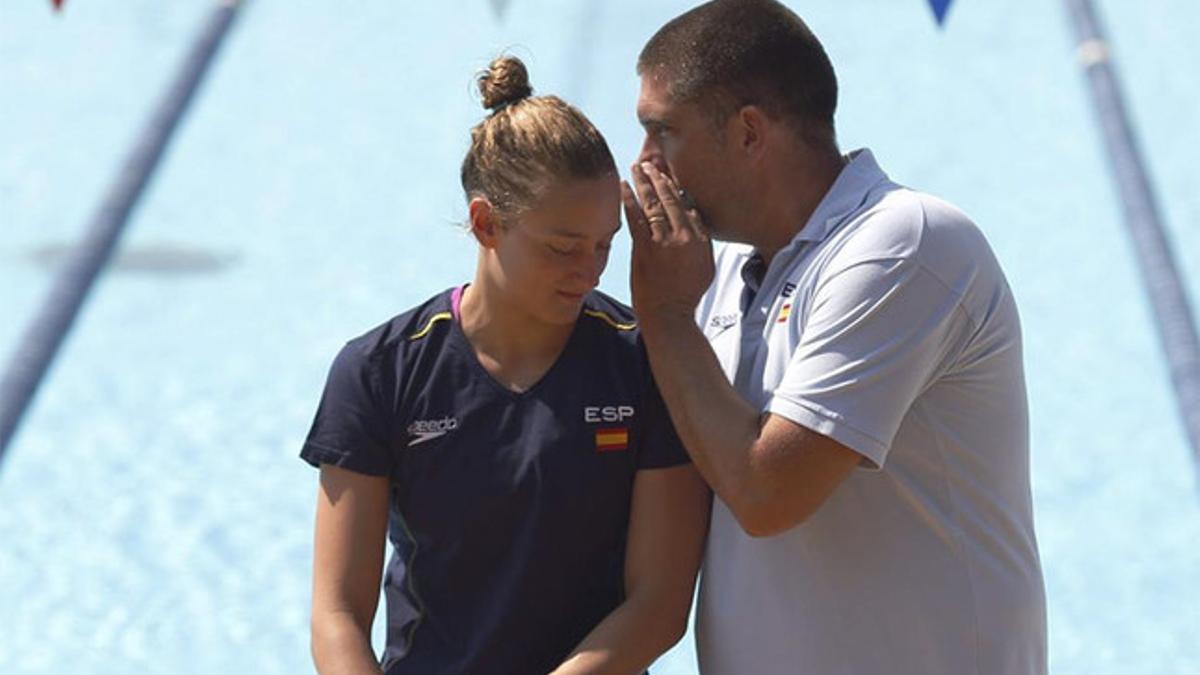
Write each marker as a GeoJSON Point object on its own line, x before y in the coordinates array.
{"type": "Point", "coordinates": [508, 437]}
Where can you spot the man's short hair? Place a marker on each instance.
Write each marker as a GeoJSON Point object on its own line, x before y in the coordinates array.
{"type": "Point", "coordinates": [726, 54]}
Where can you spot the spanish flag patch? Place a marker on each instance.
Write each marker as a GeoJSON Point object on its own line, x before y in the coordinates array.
{"type": "Point", "coordinates": [612, 439]}
{"type": "Point", "coordinates": [784, 312]}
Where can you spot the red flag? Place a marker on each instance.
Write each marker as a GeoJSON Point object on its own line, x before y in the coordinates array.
{"type": "Point", "coordinates": [612, 439]}
{"type": "Point", "coordinates": [57, 4]}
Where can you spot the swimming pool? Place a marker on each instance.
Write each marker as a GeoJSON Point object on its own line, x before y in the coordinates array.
{"type": "Point", "coordinates": [156, 518]}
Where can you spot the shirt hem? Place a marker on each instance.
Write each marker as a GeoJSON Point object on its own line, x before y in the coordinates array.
{"type": "Point", "coordinates": [316, 455]}
{"type": "Point", "coordinates": [829, 424]}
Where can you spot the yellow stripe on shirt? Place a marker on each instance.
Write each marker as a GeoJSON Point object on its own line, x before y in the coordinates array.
{"type": "Point", "coordinates": [596, 314]}
{"type": "Point", "coordinates": [429, 326]}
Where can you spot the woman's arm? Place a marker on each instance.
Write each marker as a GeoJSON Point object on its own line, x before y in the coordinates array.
{"type": "Point", "coordinates": [667, 525]}
{"type": "Point", "coordinates": [352, 515]}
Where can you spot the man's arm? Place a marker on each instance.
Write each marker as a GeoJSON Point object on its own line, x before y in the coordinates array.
{"type": "Point", "coordinates": [667, 524]}
{"type": "Point", "coordinates": [772, 473]}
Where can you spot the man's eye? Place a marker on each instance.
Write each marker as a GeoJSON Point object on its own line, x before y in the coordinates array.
{"type": "Point", "coordinates": [559, 251]}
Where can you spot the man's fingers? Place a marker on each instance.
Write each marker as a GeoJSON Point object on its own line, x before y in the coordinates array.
{"type": "Point", "coordinates": [651, 206]}
{"type": "Point", "coordinates": [696, 224]}
{"type": "Point", "coordinates": [672, 204]}
{"type": "Point", "coordinates": [663, 210]}
{"type": "Point", "coordinates": [639, 229]}
{"type": "Point", "coordinates": [641, 184]}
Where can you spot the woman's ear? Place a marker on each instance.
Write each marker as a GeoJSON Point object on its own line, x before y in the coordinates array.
{"type": "Point", "coordinates": [485, 225]}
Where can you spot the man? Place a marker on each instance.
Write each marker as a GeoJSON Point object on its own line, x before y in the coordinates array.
{"type": "Point", "coordinates": [846, 374]}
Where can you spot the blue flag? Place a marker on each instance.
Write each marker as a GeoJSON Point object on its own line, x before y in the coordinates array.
{"type": "Point", "coordinates": [940, 7]}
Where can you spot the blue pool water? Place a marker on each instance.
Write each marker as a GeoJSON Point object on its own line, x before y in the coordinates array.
{"type": "Point", "coordinates": [155, 517]}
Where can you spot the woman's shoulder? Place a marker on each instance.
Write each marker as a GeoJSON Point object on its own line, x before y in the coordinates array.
{"type": "Point", "coordinates": [608, 315]}
{"type": "Point", "coordinates": [413, 328]}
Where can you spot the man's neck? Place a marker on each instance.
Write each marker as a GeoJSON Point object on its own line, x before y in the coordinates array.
{"type": "Point", "coordinates": [789, 201]}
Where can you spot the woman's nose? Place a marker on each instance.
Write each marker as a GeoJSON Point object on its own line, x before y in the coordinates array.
{"type": "Point", "coordinates": [591, 266]}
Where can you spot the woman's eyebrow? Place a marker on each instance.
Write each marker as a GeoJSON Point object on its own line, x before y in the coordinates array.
{"type": "Point", "coordinates": [576, 235]}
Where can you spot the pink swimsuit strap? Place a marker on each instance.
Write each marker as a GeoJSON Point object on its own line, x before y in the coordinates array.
{"type": "Point", "coordinates": [456, 300]}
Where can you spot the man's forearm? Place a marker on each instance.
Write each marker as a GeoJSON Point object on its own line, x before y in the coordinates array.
{"type": "Point", "coordinates": [718, 427]}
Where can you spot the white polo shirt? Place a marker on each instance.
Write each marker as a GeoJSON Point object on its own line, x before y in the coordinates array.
{"type": "Point", "coordinates": [887, 325]}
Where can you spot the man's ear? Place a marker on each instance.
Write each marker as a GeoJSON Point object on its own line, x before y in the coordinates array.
{"type": "Point", "coordinates": [485, 225]}
{"type": "Point", "coordinates": [749, 129]}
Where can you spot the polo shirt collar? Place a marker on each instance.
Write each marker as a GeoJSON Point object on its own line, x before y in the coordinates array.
{"type": "Point", "coordinates": [845, 197]}
{"type": "Point", "coordinates": [848, 192]}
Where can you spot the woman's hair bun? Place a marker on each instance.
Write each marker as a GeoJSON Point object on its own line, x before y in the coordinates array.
{"type": "Point", "coordinates": [504, 82]}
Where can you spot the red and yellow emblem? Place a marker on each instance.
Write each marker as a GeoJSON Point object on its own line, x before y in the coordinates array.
{"type": "Point", "coordinates": [612, 439]}
{"type": "Point", "coordinates": [784, 313]}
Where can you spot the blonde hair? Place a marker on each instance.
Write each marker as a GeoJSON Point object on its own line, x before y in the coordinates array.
{"type": "Point", "coordinates": [528, 142]}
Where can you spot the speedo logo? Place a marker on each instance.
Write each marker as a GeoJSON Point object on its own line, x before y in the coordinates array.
{"type": "Point", "coordinates": [427, 430]}
{"type": "Point", "coordinates": [723, 320]}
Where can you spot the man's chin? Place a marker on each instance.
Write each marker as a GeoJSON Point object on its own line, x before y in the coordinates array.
{"type": "Point", "coordinates": [714, 229]}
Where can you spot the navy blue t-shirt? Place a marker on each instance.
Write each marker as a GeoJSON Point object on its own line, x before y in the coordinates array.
{"type": "Point", "coordinates": [508, 511]}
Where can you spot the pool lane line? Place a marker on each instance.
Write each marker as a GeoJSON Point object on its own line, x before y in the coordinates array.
{"type": "Point", "coordinates": [36, 349]}
{"type": "Point", "coordinates": [1173, 314]}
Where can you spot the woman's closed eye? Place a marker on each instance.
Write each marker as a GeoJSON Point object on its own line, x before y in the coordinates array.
{"type": "Point", "coordinates": [601, 247]}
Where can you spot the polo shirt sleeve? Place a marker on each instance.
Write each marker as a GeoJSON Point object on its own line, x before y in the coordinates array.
{"type": "Point", "coordinates": [876, 333]}
{"type": "Point", "coordinates": [349, 430]}
{"type": "Point", "coordinates": [659, 446]}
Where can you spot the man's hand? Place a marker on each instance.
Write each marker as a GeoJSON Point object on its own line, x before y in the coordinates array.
{"type": "Point", "coordinates": [672, 262]}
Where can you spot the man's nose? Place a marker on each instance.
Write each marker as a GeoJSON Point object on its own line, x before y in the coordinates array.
{"type": "Point", "coordinates": [650, 152]}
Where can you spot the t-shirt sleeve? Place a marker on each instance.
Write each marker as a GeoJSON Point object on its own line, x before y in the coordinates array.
{"type": "Point", "coordinates": [350, 428]}
{"type": "Point", "coordinates": [660, 446]}
{"type": "Point", "coordinates": [876, 333]}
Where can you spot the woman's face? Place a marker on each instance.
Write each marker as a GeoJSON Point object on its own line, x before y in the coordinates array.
{"type": "Point", "coordinates": [550, 256]}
